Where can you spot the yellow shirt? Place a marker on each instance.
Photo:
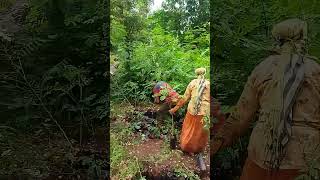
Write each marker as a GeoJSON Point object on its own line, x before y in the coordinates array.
{"type": "Point", "coordinates": [306, 116]}
{"type": "Point", "coordinates": [191, 93]}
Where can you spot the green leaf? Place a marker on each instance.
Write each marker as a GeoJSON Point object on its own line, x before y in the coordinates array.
{"type": "Point", "coordinates": [162, 98]}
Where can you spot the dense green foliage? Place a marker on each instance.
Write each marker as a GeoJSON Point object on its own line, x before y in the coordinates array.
{"type": "Point", "coordinates": [241, 37]}
{"type": "Point", "coordinates": [149, 50]}
{"type": "Point", "coordinates": [54, 83]}
{"type": "Point", "coordinates": [59, 63]}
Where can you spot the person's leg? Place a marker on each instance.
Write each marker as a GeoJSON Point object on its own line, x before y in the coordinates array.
{"type": "Point", "coordinates": [200, 161]}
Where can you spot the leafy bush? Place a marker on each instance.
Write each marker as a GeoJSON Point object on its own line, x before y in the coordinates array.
{"type": "Point", "coordinates": [242, 39]}
{"type": "Point", "coordinates": [59, 74]}
{"type": "Point", "coordinates": [161, 57]}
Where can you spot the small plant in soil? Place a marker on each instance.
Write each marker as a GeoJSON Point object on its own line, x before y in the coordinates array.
{"type": "Point", "coordinates": [185, 173]}
{"type": "Point", "coordinates": [151, 128]}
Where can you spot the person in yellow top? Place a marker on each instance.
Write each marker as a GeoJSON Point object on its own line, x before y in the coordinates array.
{"type": "Point", "coordinates": [194, 136]}
{"type": "Point", "coordinates": [283, 92]}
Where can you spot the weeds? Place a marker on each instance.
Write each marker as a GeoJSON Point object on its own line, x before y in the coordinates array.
{"type": "Point", "coordinates": [122, 164]}
{"type": "Point", "coordinates": [184, 172]}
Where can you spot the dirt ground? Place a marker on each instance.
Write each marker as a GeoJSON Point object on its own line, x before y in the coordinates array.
{"type": "Point", "coordinates": [43, 157]}
{"type": "Point", "coordinates": [159, 158]}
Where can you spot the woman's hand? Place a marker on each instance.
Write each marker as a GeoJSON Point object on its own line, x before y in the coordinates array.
{"type": "Point", "coordinates": [156, 100]}
{"type": "Point", "coordinates": [172, 111]}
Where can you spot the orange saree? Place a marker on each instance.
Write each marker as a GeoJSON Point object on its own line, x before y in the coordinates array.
{"type": "Point", "coordinates": [193, 137]}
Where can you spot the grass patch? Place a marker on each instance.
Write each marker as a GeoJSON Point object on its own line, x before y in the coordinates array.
{"type": "Point", "coordinates": [120, 109]}
{"type": "Point", "coordinates": [123, 166]}
{"type": "Point", "coordinates": [183, 172]}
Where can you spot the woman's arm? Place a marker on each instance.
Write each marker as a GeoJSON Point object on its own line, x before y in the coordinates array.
{"type": "Point", "coordinates": [156, 99]}
{"type": "Point", "coordinates": [183, 100]}
{"type": "Point", "coordinates": [239, 120]}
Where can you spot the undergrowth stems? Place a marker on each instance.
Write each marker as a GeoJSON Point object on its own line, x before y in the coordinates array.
{"type": "Point", "coordinates": [43, 105]}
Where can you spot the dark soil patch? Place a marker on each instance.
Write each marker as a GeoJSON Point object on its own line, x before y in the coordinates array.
{"type": "Point", "coordinates": [43, 157]}
{"type": "Point", "coordinates": [154, 152]}
{"type": "Point", "coordinates": [159, 164]}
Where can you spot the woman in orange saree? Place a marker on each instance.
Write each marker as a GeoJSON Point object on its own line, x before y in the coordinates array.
{"type": "Point", "coordinates": [195, 135]}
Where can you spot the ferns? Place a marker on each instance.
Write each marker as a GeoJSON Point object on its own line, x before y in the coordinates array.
{"type": "Point", "coordinates": [54, 69]}
{"type": "Point", "coordinates": [30, 45]}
